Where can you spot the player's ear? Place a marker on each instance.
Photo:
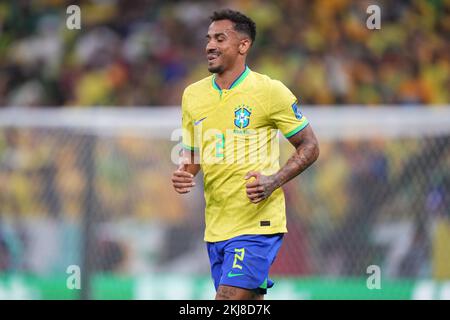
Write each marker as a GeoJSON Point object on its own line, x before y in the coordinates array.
{"type": "Point", "coordinates": [244, 45]}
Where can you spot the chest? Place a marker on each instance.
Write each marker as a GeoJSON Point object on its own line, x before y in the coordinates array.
{"type": "Point", "coordinates": [231, 111]}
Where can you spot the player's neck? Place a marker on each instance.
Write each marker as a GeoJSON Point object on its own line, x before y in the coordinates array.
{"type": "Point", "coordinates": [226, 78]}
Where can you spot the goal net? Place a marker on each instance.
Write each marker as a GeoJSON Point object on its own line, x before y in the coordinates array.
{"type": "Point", "coordinates": [87, 209]}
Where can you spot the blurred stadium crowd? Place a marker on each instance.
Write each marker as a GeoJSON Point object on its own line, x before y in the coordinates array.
{"type": "Point", "coordinates": [143, 53]}
{"type": "Point", "coordinates": [137, 53]}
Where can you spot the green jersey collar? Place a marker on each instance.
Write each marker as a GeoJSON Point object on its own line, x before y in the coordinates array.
{"type": "Point", "coordinates": [235, 83]}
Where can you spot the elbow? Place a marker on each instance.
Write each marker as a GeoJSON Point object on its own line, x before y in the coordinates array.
{"type": "Point", "coordinates": [308, 152]}
{"type": "Point", "coordinates": [316, 150]}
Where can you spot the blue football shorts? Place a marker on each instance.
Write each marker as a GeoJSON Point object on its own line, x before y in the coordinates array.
{"type": "Point", "coordinates": [244, 261]}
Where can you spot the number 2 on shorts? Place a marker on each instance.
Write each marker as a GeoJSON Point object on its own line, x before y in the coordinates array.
{"type": "Point", "coordinates": [239, 255]}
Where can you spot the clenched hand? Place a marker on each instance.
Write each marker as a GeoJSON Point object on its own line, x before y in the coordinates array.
{"type": "Point", "coordinates": [261, 188]}
{"type": "Point", "coordinates": [182, 180]}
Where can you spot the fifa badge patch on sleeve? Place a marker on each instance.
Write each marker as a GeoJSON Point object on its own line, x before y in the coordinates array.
{"type": "Point", "coordinates": [296, 110]}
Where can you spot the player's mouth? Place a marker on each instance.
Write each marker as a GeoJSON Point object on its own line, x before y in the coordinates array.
{"type": "Point", "coordinates": [212, 57]}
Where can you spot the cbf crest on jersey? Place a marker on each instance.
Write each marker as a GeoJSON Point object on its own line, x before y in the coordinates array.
{"type": "Point", "coordinates": [296, 110]}
{"type": "Point", "coordinates": [242, 116]}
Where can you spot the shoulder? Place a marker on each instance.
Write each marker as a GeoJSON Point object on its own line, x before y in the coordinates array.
{"type": "Point", "coordinates": [198, 87]}
{"type": "Point", "coordinates": [277, 94]}
{"type": "Point", "coordinates": [261, 80]}
{"type": "Point", "coordinates": [193, 91]}
{"type": "Point", "coordinates": [269, 84]}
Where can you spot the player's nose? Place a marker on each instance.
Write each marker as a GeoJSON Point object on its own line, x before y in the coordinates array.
{"type": "Point", "coordinates": [211, 47]}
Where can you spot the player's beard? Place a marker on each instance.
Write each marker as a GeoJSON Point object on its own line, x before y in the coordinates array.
{"type": "Point", "coordinates": [215, 69]}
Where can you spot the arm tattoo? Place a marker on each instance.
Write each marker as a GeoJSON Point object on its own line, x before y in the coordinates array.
{"type": "Point", "coordinates": [305, 155]}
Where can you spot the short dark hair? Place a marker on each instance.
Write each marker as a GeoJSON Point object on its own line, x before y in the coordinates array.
{"type": "Point", "coordinates": [242, 23]}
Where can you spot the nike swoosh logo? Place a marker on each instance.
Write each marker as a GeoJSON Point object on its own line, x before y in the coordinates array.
{"type": "Point", "coordinates": [231, 274]}
{"type": "Point", "coordinates": [198, 121]}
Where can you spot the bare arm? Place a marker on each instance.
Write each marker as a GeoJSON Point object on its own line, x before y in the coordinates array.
{"type": "Point", "coordinates": [192, 162]}
{"type": "Point", "coordinates": [307, 151]}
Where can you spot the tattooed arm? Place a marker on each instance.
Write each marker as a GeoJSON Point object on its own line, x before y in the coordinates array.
{"type": "Point", "coordinates": [307, 151]}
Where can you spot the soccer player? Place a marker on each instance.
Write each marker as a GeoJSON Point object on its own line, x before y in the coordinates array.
{"type": "Point", "coordinates": [239, 113]}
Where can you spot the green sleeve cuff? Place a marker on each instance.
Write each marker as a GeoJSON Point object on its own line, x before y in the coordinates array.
{"type": "Point", "coordinates": [297, 130]}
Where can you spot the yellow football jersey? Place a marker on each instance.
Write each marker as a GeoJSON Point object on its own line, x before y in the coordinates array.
{"type": "Point", "coordinates": [235, 131]}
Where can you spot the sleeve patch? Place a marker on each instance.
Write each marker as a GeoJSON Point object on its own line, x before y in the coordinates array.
{"type": "Point", "coordinates": [297, 111]}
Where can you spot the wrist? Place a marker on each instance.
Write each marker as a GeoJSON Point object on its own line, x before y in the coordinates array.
{"type": "Point", "coordinates": [276, 181]}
